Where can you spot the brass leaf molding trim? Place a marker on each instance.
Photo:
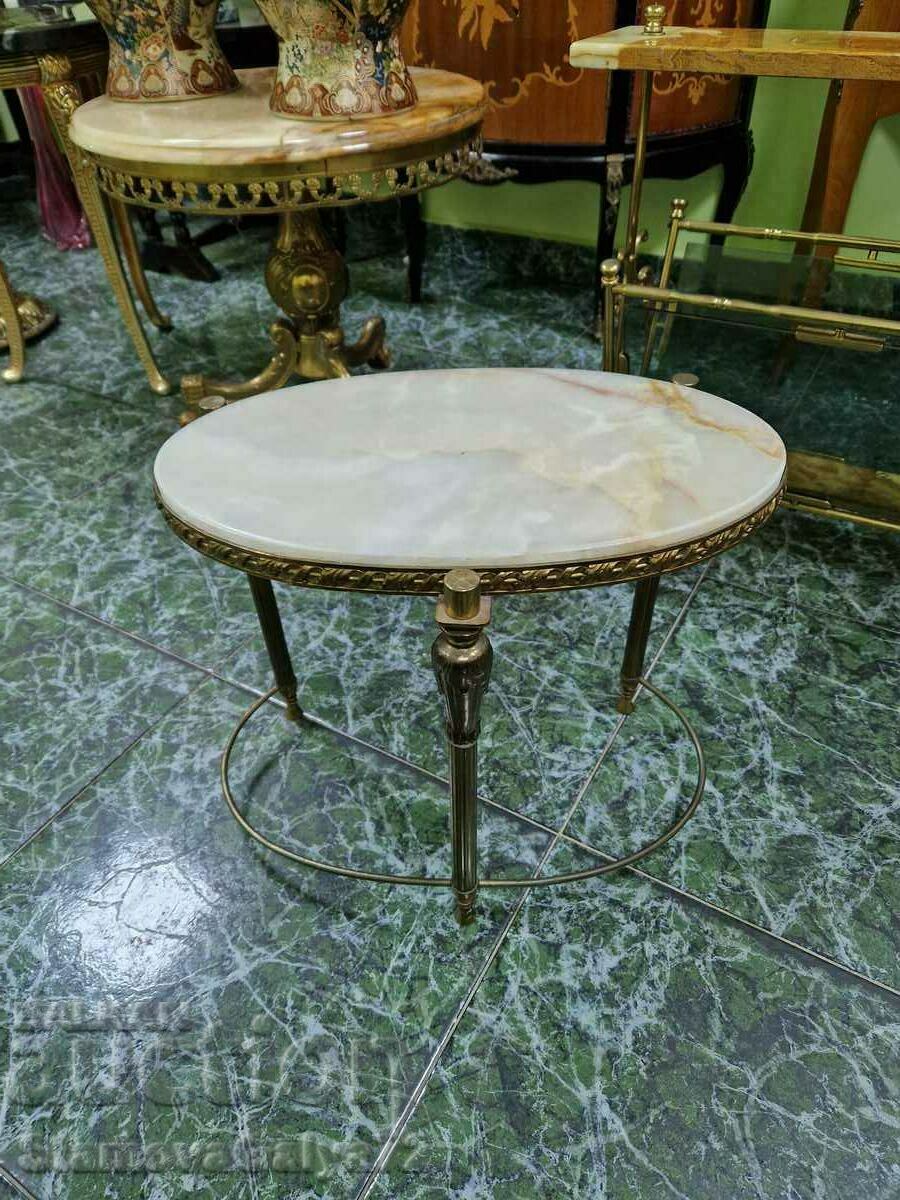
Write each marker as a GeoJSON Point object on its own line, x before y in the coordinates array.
{"type": "Point", "coordinates": [496, 582]}
{"type": "Point", "coordinates": [280, 193]}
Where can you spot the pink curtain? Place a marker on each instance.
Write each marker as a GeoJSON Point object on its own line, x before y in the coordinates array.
{"type": "Point", "coordinates": [62, 218]}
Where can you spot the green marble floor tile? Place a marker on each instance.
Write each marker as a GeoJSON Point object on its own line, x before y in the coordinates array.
{"type": "Point", "coordinates": [56, 441]}
{"type": "Point", "coordinates": [363, 664]}
{"type": "Point", "coordinates": [624, 1047]}
{"type": "Point", "coordinates": [109, 553]}
{"type": "Point", "coordinates": [73, 695]}
{"type": "Point", "coordinates": [175, 993]}
{"type": "Point", "coordinates": [849, 411]}
{"type": "Point", "coordinates": [799, 827]}
{"type": "Point", "coordinates": [846, 570]}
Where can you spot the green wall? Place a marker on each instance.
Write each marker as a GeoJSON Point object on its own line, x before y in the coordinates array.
{"type": "Point", "coordinates": [786, 118]}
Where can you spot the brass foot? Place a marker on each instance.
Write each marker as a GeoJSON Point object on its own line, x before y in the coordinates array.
{"type": "Point", "coordinates": [195, 389]}
{"type": "Point", "coordinates": [22, 318]}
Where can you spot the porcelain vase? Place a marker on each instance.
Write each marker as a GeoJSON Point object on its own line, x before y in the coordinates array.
{"type": "Point", "coordinates": [163, 49]}
{"type": "Point", "coordinates": [339, 58]}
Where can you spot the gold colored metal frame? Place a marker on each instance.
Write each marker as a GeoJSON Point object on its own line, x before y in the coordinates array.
{"type": "Point", "coordinates": [608, 868]}
{"type": "Point", "coordinates": [462, 657]}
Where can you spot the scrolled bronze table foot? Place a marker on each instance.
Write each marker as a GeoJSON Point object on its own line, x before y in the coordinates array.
{"type": "Point", "coordinates": [22, 319]}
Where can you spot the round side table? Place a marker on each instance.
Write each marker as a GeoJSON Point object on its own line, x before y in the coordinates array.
{"type": "Point", "coordinates": [468, 485]}
{"type": "Point", "coordinates": [230, 155]}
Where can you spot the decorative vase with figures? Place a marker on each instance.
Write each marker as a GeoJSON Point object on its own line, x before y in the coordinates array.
{"type": "Point", "coordinates": [339, 58]}
{"type": "Point", "coordinates": [163, 49]}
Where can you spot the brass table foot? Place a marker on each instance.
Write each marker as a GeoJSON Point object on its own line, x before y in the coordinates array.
{"type": "Point", "coordinates": [22, 318]}
{"type": "Point", "coordinates": [321, 354]}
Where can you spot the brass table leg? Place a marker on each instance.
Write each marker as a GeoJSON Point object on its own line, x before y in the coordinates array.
{"type": "Point", "coordinates": [21, 319]}
{"type": "Point", "coordinates": [63, 96]}
{"type": "Point", "coordinates": [273, 632]}
{"type": "Point", "coordinates": [462, 658]}
{"type": "Point", "coordinates": [132, 254]}
{"type": "Point", "coordinates": [636, 647]}
{"type": "Point", "coordinates": [308, 280]}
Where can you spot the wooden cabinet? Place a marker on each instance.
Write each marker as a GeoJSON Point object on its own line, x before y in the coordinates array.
{"type": "Point", "coordinates": [548, 121]}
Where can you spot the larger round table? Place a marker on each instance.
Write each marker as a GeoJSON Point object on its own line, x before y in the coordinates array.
{"type": "Point", "coordinates": [468, 485]}
{"type": "Point", "coordinates": [230, 155]}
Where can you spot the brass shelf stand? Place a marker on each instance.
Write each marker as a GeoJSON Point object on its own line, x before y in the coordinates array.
{"type": "Point", "coordinates": [816, 483]}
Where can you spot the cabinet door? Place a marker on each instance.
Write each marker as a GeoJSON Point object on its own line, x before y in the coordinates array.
{"type": "Point", "coordinates": [520, 50]}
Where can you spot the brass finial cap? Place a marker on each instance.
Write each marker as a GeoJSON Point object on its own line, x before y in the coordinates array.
{"type": "Point", "coordinates": [654, 19]}
{"type": "Point", "coordinates": [609, 271]}
{"type": "Point", "coordinates": [462, 593]}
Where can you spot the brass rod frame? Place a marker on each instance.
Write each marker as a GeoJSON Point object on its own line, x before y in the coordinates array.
{"type": "Point", "coordinates": [607, 868]}
{"type": "Point", "coordinates": [810, 316]}
{"type": "Point", "coordinates": [762, 233]}
{"type": "Point", "coordinates": [676, 219]}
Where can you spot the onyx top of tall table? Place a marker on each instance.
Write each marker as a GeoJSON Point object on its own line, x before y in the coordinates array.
{"type": "Point", "coordinates": [791, 53]}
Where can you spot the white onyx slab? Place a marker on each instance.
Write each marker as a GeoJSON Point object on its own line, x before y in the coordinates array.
{"type": "Point", "coordinates": [481, 468]}
{"type": "Point", "coordinates": [240, 128]}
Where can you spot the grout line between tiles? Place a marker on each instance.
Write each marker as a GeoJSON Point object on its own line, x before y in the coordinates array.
{"type": "Point", "coordinates": [97, 774]}
{"type": "Point", "coordinates": [400, 1125]}
{"type": "Point", "coordinates": [126, 633]}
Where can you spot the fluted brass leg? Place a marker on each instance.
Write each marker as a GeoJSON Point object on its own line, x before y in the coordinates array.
{"type": "Point", "coordinates": [132, 254]}
{"type": "Point", "coordinates": [462, 658]}
{"type": "Point", "coordinates": [63, 97]}
{"type": "Point", "coordinates": [638, 636]}
{"type": "Point", "coordinates": [273, 632]}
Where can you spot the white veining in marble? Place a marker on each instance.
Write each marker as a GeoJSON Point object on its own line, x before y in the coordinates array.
{"type": "Point", "coordinates": [486, 468]}
{"type": "Point", "coordinates": [239, 127]}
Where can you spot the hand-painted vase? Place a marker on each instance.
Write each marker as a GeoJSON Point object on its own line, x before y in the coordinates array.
{"type": "Point", "coordinates": [163, 49]}
{"type": "Point", "coordinates": [339, 58]}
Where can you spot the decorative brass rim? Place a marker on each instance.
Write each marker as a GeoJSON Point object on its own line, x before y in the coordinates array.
{"type": "Point", "coordinates": [608, 868]}
{"type": "Point", "coordinates": [496, 582]}
{"type": "Point", "coordinates": [287, 187]}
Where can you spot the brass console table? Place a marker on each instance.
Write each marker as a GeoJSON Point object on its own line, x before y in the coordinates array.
{"type": "Point", "coordinates": [825, 485]}
{"type": "Point", "coordinates": [231, 156]}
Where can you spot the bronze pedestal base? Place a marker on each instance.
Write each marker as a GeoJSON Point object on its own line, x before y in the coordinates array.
{"type": "Point", "coordinates": [307, 278]}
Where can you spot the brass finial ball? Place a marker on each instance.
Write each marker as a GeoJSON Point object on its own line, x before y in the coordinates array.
{"type": "Point", "coordinates": [654, 18]}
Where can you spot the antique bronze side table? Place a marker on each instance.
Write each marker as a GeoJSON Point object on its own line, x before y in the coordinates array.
{"type": "Point", "coordinates": [468, 485]}
{"type": "Point", "coordinates": [231, 156]}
